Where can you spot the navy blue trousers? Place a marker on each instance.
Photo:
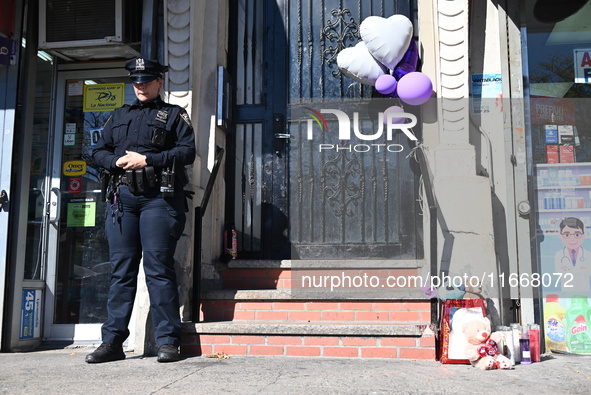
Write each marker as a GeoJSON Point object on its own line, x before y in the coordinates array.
{"type": "Point", "coordinates": [151, 225]}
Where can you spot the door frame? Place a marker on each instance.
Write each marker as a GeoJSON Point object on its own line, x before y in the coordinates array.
{"type": "Point", "coordinates": [7, 125]}
{"type": "Point", "coordinates": [78, 333]}
{"type": "Point", "coordinates": [15, 123]}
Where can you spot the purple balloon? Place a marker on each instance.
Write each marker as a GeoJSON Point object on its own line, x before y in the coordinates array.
{"type": "Point", "coordinates": [415, 88]}
{"type": "Point", "coordinates": [409, 62]}
{"type": "Point", "coordinates": [386, 84]}
{"type": "Point", "coordinates": [392, 113]}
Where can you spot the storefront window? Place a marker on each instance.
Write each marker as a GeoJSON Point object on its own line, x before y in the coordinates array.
{"type": "Point", "coordinates": [558, 58]}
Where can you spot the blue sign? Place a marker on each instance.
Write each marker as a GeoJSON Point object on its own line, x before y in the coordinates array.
{"type": "Point", "coordinates": [30, 314]}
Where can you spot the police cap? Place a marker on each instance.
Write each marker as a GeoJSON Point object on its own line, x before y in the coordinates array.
{"type": "Point", "coordinates": [144, 70]}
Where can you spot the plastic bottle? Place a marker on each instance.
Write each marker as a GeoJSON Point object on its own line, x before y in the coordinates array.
{"type": "Point", "coordinates": [578, 333]}
{"type": "Point", "coordinates": [554, 329]}
{"type": "Point", "coordinates": [534, 342]}
{"type": "Point", "coordinates": [516, 329]}
{"type": "Point", "coordinates": [508, 349]}
{"type": "Point", "coordinates": [524, 346]}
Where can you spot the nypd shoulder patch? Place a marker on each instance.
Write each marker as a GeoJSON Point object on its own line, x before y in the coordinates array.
{"type": "Point", "coordinates": [186, 118]}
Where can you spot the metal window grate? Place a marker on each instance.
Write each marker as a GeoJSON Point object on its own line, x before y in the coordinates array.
{"type": "Point", "coordinates": [80, 20]}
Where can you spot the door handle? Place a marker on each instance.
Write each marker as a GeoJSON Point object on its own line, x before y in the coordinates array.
{"type": "Point", "coordinates": [285, 136]}
{"type": "Point", "coordinates": [58, 204]}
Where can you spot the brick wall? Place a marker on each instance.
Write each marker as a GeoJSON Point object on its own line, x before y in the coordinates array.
{"type": "Point", "coordinates": [316, 311]}
{"type": "Point", "coordinates": [311, 346]}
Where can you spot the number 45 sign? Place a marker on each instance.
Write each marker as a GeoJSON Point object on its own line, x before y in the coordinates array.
{"type": "Point", "coordinates": [31, 314]}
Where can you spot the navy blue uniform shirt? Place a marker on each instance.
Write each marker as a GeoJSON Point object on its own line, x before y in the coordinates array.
{"type": "Point", "coordinates": [131, 128]}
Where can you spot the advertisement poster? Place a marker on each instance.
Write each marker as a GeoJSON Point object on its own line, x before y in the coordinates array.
{"type": "Point", "coordinates": [564, 226]}
{"type": "Point", "coordinates": [81, 212]}
{"type": "Point", "coordinates": [31, 314]}
{"type": "Point", "coordinates": [485, 86]}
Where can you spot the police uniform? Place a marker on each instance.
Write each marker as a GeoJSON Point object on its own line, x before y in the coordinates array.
{"type": "Point", "coordinates": [144, 221]}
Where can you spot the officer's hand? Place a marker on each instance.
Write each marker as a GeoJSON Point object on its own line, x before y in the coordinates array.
{"type": "Point", "coordinates": [122, 162]}
{"type": "Point", "coordinates": [133, 160]}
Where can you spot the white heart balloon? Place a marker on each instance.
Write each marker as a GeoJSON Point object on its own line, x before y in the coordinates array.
{"type": "Point", "coordinates": [357, 63]}
{"type": "Point", "coordinates": [387, 39]}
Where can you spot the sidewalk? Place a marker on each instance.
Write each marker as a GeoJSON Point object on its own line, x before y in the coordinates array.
{"type": "Point", "coordinates": [65, 372]}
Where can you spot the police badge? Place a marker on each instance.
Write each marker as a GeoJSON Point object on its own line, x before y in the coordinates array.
{"type": "Point", "coordinates": [139, 64]}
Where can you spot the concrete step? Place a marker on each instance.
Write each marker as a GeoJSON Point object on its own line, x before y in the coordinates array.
{"type": "Point", "coordinates": [324, 263]}
{"type": "Point", "coordinates": [263, 310]}
{"type": "Point", "coordinates": [326, 339]}
{"type": "Point", "coordinates": [325, 328]}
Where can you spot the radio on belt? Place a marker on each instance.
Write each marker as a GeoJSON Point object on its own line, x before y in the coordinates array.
{"type": "Point", "coordinates": [167, 180]}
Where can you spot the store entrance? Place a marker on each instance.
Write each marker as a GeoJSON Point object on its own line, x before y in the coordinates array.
{"type": "Point", "coordinates": [78, 269]}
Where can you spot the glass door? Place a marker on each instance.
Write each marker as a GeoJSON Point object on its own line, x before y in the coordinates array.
{"type": "Point", "coordinates": [79, 272]}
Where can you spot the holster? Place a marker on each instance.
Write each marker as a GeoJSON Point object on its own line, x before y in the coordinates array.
{"type": "Point", "coordinates": [105, 180]}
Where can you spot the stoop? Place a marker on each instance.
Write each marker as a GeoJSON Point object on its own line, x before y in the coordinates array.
{"type": "Point", "coordinates": [256, 314]}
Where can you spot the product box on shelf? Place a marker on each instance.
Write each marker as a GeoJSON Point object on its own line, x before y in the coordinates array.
{"type": "Point", "coordinates": [566, 134]}
{"type": "Point", "coordinates": [567, 153]}
{"type": "Point", "coordinates": [551, 134]}
{"type": "Point", "coordinates": [552, 153]}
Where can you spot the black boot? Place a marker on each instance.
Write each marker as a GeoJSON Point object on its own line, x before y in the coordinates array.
{"type": "Point", "coordinates": [168, 353]}
{"type": "Point", "coordinates": [106, 352]}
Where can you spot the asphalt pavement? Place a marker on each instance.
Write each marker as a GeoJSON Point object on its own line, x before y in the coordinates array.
{"type": "Point", "coordinates": [63, 371]}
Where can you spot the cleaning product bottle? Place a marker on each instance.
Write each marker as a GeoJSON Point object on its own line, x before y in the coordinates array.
{"type": "Point", "coordinates": [578, 332]}
{"type": "Point", "coordinates": [524, 346]}
{"type": "Point", "coordinates": [508, 349]}
{"type": "Point", "coordinates": [516, 330]}
{"type": "Point", "coordinates": [534, 342]}
{"type": "Point", "coordinates": [554, 329]}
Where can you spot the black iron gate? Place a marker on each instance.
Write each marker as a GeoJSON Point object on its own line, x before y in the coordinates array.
{"type": "Point", "coordinates": [285, 191]}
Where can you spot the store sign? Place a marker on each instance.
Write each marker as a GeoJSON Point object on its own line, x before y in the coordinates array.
{"type": "Point", "coordinates": [103, 97]}
{"type": "Point", "coordinates": [552, 110]}
{"type": "Point", "coordinates": [74, 168]}
{"type": "Point", "coordinates": [582, 66]}
{"type": "Point", "coordinates": [75, 185]}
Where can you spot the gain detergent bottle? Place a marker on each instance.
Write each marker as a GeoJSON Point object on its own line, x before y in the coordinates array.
{"type": "Point", "coordinates": [578, 331]}
{"type": "Point", "coordinates": [554, 328]}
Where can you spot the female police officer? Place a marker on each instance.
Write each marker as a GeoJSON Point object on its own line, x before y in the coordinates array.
{"type": "Point", "coordinates": [144, 148]}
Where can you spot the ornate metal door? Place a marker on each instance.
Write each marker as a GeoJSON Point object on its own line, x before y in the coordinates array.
{"type": "Point", "coordinates": [349, 198]}
{"type": "Point", "coordinates": [296, 184]}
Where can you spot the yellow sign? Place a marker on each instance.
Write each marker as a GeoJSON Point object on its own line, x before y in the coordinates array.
{"type": "Point", "coordinates": [74, 168]}
{"type": "Point", "coordinates": [103, 97]}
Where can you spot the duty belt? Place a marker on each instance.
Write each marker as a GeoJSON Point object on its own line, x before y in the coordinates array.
{"type": "Point", "coordinates": [121, 179]}
{"type": "Point", "coordinates": [139, 180]}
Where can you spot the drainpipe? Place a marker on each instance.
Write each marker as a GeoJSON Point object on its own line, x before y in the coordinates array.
{"type": "Point", "coordinates": [149, 29]}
